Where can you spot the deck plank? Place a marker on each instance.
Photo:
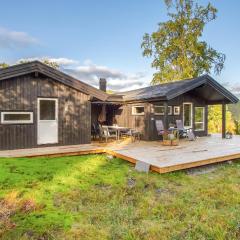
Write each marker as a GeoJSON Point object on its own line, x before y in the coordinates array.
{"type": "Point", "coordinates": [203, 151]}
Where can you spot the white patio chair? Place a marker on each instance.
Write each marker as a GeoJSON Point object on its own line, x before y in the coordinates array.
{"type": "Point", "coordinates": [105, 133]}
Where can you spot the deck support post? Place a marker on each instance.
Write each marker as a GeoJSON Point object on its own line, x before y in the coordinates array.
{"type": "Point", "coordinates": [223, 120]}
{"type": "Point", "coordinates": [165, 119]}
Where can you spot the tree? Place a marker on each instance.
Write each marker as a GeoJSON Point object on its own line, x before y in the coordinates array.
{"type": "Point", "coordinates": [235, 110]}
{"type": "Point", "coordinates": [215, 120]}
{"type": "Point", "coordinates": [51, 63]}
{"type": "Point", "coordinates": [176, 48]}
{"type": "Point", "coordinates": [45, 61]}
{"type": "Point", "coordinates": [3, 65]}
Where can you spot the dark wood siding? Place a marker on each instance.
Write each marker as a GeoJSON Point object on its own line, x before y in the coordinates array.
{"type": "Point", "coordinates": [186, 98]}
{"type": "Point", "coordinates": [146, 124]}
{"type": "Point", "coordinates": [21, 93]}
{"type": "Point", "coordinates": [124, 117]}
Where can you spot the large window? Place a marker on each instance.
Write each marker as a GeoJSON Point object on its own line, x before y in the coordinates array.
{"type": "Point", "coordinates": [16, 117]}
{"type": "Point", "coordinates": [138, 110]}
{"type": "Point", "coordinates": [187, 115]}
{"type": "Point", "coordinates": [199, 118]}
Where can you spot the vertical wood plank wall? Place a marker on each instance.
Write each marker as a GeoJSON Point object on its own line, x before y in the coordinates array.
{"type": "Point", "coordinates": [124, 117]}
{"type": "Point", "coordinates": [146, 124]}
{"type": "Point", "coordinates": [21, 93]}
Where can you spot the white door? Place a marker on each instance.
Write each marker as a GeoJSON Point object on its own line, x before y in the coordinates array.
{"type": "Point", "coordinates": [187, 115]}
{"type": "Point", "coordinates": [47, 120]}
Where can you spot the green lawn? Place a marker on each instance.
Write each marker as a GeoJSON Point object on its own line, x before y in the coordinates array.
{"type": "Point", "coordinates": [93, 197]}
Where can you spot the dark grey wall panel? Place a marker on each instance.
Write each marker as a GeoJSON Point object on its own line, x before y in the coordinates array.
{"type": "Point", "coordinates": [21, 93]}
{"type": "Point", "coordinates": [146, 124]}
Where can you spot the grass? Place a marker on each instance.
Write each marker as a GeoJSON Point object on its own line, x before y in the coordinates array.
{"type": "Point", "coordinates": [94, 197]}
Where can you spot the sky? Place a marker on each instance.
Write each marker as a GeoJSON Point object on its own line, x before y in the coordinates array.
{"type": "Point", "coordinates": [92, 39]}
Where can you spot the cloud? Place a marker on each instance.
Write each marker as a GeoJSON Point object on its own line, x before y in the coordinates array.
{"type": "Point", "coordinates": [90, 73]}
{"type": "Point", "coordinates": [116, 80]}
{"type": "Point", "coordinates": [15, 40]}
{"type": "Point", "coordinates": [233, 87]}
{"type": "Point", "coordinates": [236, 90]}
{"type": "Point", "coordinates": [61, 61]}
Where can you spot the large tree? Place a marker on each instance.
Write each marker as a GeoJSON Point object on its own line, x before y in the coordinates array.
{"type": "Point", "coordinates": [177, 48]}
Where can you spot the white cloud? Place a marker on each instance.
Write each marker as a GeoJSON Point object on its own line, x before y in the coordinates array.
{"type": "Point", "coordinates": [61, 61]}
{"type": "Point", "coordinates": [14, 40]}
{"type": "Point", "coordinates": [233, 87]}
{"type": "Point", "coordinates": [116, 80]}
{"type": "Point", "coordinates": [90, 73]}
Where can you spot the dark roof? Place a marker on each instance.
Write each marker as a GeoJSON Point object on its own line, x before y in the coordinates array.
{"type": "Point", "coordinates": [161, 92]}
{"type": "Point", "coordinates": [36, 66]}
{"type": "Point", "coordinates": [171, 90]}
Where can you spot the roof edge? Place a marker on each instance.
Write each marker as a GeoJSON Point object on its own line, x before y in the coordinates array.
{"type": "Point", "coordinates": [37, 66]}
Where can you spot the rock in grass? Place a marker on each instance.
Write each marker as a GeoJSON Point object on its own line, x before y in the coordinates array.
{"type": "Point", "coordinates": [131, 182]}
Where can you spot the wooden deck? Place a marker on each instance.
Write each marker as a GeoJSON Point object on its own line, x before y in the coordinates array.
{"type": "Point", "coordinates": [203, 151]}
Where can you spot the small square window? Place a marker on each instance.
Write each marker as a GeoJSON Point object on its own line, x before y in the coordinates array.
{"type": "Point", "coordinates": [138, 110]}
{"type": "Point", "coordinates": [47, 109]}
{"type": "Point", "coordinates": [176, 110]}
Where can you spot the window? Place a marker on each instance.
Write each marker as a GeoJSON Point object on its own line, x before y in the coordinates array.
{"type": "Point", "coordinates": [176, 110]}
{"type": "Point", "coordinates": [199, 118]}
{"type": "Point", "coordinates": [159, 110]}
{"type": "Point", "coordinates": [47, 109]}
{"type": "Point", "coordinates": [138, 110]}
{"type": "Point", "coordinates": [16, 117]}
{"type": "Point", "coordinates": [187, 115]}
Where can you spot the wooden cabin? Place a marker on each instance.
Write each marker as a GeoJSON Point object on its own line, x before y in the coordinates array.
{"type": "Point", "coordinates": [41, 106]}
{"type": "Point", "coordinates": [185, 100]}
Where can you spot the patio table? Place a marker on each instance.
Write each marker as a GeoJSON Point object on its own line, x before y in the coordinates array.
{"type": "Point", "coordinates": [118, 130]}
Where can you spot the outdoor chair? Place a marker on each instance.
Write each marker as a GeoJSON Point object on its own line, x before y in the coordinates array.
{"type": "Point", "coordinates": [105, 133]}
{"type": "Point", "coordinates": [94, 131]}
{"type": "Point", "coordinates": [190, 135]}
{"type": "Point", "coordinates": [182, 131]}
{"type": "Point", "coordinates": [160, 127]}
{"type": "Point", "coordinates": [132, 133]}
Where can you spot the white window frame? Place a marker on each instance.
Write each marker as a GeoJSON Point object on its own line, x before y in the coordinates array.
{"type": "Point", "coordinates": [16, 121]}
{"type": "Point", "coordinates": [158, 106]}
{"type": "Point", "coordinates": [134, 110]}
{"type": "Point", "coordinates": [56, 108]}
{"type": "Point", "coordinates": [162, 114]}
{"type": "Point", "coordinates": [191, 117]}
{"type": "Point", "coordinates": [176, 113]}
{"type": "Point", "coordinates": [198, 130]}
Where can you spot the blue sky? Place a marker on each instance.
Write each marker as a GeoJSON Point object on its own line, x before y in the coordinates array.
{"type": "Point", "coordinates": [102, 38]}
